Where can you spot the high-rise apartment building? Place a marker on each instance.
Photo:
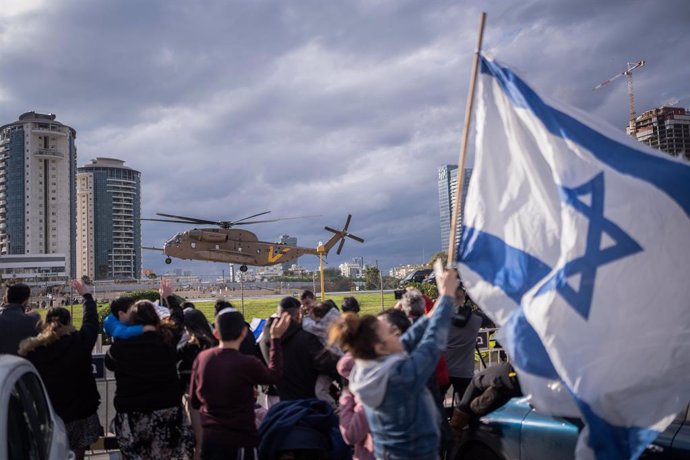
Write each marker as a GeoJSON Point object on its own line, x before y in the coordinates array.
{"type": "Point", "coordinates": [447, 182]}
{"type": "Point", "coordinates": [108, 225]}
{"type": "Point", "coordinates": [666, 129]}
{"type": "Point", "coordinates": [38, 162]}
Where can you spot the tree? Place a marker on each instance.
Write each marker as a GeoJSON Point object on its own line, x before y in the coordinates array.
{"type": "Point", "coordinates": [390, 282]}
{"type": "Point", "coordinates": [372, 278]}
{"type": "Point", "coordinates": [334, 281]}
{"type": "Point", "coordinates": [442, 255]}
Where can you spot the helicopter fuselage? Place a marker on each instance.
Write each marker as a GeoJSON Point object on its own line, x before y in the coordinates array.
{"type": "Point", "coordinates": [233, 246]}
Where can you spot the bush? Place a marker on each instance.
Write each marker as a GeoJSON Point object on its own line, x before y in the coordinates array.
{"type": "Point", "coordinates": [103, 311]}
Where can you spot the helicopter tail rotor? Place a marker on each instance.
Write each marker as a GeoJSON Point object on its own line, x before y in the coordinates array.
{"type": "Point", "coordinates": [340, 236]}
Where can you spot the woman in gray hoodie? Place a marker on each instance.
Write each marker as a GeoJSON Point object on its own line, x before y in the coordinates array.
{"type": "Point", "coordinates": [390, 374]}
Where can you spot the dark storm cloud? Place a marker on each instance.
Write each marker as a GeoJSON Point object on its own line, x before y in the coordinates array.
{"type": "Point", "coordinates": [229, 108]}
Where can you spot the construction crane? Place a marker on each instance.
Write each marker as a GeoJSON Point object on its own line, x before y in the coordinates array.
{"type": "Point", "coordinates": [628, 75]}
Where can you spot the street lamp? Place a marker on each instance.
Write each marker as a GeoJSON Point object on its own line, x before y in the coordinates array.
{"type": "Point", "coordinates": [321, 251]}
{"type": "Point", "coordinates": [241, 275]}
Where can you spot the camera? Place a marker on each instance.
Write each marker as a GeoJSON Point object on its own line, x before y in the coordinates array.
{"type": "Point", "coordinates": [462, 316]}
{"type": "Point", "coordinates": [398, 293]}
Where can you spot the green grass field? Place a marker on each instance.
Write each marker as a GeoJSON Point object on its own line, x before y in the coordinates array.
{"type": "Point", "coordinates": [265, 307]}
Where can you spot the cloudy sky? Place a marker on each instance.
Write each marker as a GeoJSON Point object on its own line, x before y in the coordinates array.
{"type": "Point", "coordinates": [230, 108]}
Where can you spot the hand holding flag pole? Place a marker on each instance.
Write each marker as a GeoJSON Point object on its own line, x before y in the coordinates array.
{"type": "Point", "coordinates": [452, 243]}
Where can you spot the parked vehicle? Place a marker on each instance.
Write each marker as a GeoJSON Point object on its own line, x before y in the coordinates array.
{"type": "Point", "coordinates": [416, 276]}
{"type": "Point", "coordinates": [27, 419]}
{"type": "Point", "coordinates": [430, 279]}
{"type": "Point", "coordinates": [518, 431]}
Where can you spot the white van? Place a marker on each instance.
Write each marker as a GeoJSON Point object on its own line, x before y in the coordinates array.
{"type": "Point", "coordinates": [29, 427]}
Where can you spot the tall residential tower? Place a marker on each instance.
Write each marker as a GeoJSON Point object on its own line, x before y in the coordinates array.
{"type": "Point", "coordinates": [38, 162]}
{"type": "Point", "coordinates": [108, 226]}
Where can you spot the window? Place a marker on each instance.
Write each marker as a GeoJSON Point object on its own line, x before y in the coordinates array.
{"type": "Point", "coordinates": [30, 428]}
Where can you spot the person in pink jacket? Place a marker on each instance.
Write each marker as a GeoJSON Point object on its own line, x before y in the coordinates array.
{"type": "Point", "coordinates": [353, 422]}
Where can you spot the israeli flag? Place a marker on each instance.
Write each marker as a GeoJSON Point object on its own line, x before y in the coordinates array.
{"type": "Point", "coordinates": [577, 243]}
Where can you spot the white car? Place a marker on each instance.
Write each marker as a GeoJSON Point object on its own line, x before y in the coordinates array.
{"type": "Point", "coordinates": [29, 427]}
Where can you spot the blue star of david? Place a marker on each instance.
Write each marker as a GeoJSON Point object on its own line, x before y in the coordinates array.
{"type": "Point", "coordinates": [594, 257]}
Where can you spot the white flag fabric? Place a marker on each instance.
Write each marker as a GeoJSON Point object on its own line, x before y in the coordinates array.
{"type": "Point", "coordinates": [577, 243]}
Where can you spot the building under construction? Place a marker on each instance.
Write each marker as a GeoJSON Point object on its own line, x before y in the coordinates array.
{"type": "Point", "coordinates": [666, 129]}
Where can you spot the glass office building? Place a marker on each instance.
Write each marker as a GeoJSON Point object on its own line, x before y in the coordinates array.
{"type": "Point", "coordinates": [447, 182]}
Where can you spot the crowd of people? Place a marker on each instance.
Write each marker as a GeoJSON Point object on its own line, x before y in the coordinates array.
{"type": "Point", "coordinates": [337, 384]}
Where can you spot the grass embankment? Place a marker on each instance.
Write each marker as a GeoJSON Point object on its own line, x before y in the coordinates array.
{"type": "Point", "coordinates": [265, 307]}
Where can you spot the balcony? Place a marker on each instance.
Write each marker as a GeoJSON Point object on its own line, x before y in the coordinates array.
{"type": "Point", "coordinates": [49, 154]}
{"type": "Point", "coordinates": [49, 129]}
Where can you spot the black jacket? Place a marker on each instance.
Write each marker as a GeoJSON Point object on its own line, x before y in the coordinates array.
{"type": "Point", "coordinates": [304, 358]}
{"type": "Point", "coordinates": [146, 370]}
{"type": "Point", "coordinates": [63, 359]}
{"type": "Point", "coordinates": [15, 326]}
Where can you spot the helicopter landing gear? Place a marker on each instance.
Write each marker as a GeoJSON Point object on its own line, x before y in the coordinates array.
{"type": "Point", "coordinates": [243, 268]}
{"type": "Point", "coordinates": [168, 260]}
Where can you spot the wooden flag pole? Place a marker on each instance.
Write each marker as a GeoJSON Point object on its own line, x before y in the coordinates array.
{"type": "Point", "coordinates": [452, 244]}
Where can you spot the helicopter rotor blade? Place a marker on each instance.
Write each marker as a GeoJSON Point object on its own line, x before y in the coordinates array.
{"type": "Point", "coordinates": [332, 230]}
{"type": "Point", "coordinates": [356, 238]}
{"type": "Point", "coordinates": [347, 223]}
{"type": "Point", "coordinates": [223, 223]}
{"type": "Point", "coordinates": [192, 220]}
{"type": "Point", "coordinates": [272, 220]}
{"type": "Point", "coordinates": [340, 246]}
{"type": "Point", "coordinates": [170, 220]}
{"type": "Point", "coordinates": [250, 217]}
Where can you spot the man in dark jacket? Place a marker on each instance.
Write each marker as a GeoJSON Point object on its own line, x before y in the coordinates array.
{"type": "Point", "coordinates": [15, 325]}
{"type": "Point", "coordinates": [62, 356]}
{"type": "Point", "coordinates": [304, 356]}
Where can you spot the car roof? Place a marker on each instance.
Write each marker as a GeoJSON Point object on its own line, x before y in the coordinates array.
{"type": "Point", "coordinates": [11, 363]}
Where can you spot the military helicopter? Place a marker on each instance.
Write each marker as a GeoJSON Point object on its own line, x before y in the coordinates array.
{"type": "Point", "coordinates": [235, 246]}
